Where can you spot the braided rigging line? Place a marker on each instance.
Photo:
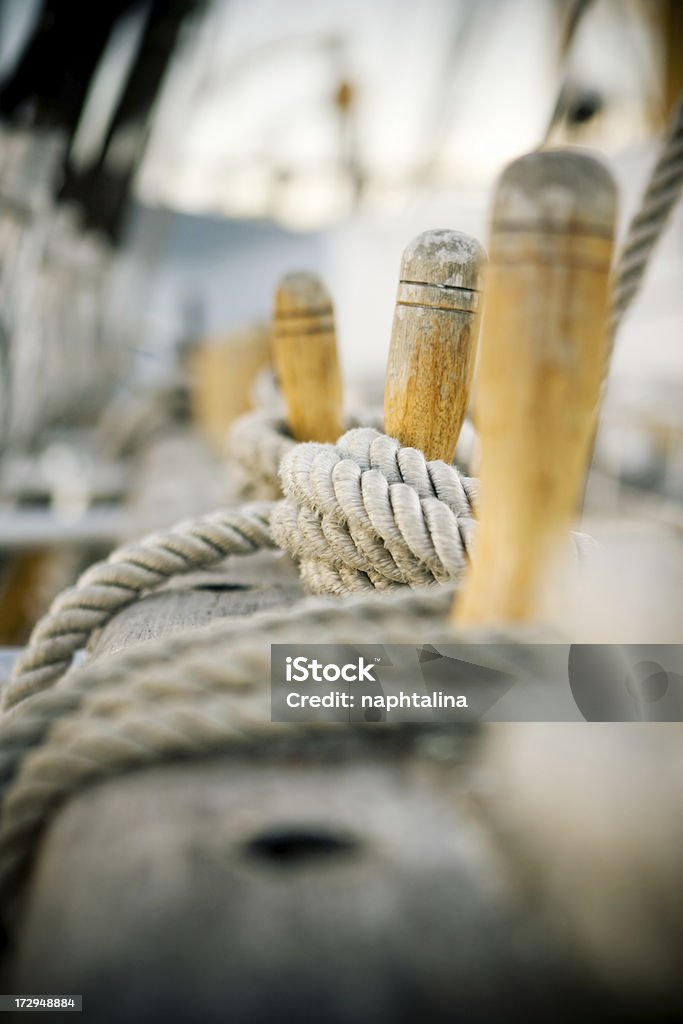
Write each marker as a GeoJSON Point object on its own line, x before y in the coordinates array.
{"type": "Point", "coordinates": [646, 227]}
{"type": "Point", "coordinates": [363, 514]}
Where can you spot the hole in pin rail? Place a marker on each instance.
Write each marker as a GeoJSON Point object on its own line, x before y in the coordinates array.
{"type": "Point", "coordinates": [289, 847]}
{"type": "Point", "coordinates": [218, 588]}
{"type": "Point", "coordinates": [585, 107]}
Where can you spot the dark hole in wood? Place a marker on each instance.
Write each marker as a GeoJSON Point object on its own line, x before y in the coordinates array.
{"type": "Point", "coordinates": [585, 107]}
{"type": "Point", "coordinates": [218, 588]}
{"type": "Point", "coordinates": [288, 847]}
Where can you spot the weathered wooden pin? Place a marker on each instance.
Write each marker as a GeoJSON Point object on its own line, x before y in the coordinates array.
{"type": "Point", "coordinates": [305, 352]}
{"type": "Point", "coordinates": [542, 358]}
{"type": "Point", "coordinates": [434, 342]}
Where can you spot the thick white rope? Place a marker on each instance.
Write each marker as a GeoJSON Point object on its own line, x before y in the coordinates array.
{"type": "Point", "coordinates": [196, 694]}
{"type": "Point", "coordinates": [364, 514]}
{"type": "Point", "coordinates": [256, 444]}
{"type": "Point", "coordinates": [368, 514]}
{"type": "Point", "coordinates": [107, 587]}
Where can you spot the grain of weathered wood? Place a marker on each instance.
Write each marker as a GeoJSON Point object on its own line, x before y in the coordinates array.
{"type": "Point", "coordinates": [434, 342]}
{"type": "Point", "coordinates": [305, 351]}
{"type": "Point", "coordinates": [240, 586]}
{"type": "Point", "coordinates": [363, 879]}
{"type": "Point", "coordinates": [543, 353]}
{"type": "Point", "coordinates": [356, 889]}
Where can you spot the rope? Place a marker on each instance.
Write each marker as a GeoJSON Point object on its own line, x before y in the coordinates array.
{"type": "Point", "coordinates": [364, 514]}
{"type": "Point", "coordinates": [107, 587]}
{"type": "Point", "coordinates": [256, 444]}
{"type": "Point", "coordinates": [646, 227]}
{"type": "Point", "coordinates": [196, 694]}
{"type": "Point", "coordinates": [368, 514]}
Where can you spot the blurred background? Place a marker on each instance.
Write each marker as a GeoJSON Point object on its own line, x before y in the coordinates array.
{"type": "Point", "coordinates": [163, 162]}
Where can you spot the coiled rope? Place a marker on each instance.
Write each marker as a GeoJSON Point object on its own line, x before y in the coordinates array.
{"type": "Point", "coordinates": [195, 694]}
{"type": "Point", "coordinates": [107, 587]}
{"type": "Point", "coordinates": [363, 514]}
{"type": "Point", "coordinates": [368, 514]}
{"type": "Point", "coordinates": [257, 443]}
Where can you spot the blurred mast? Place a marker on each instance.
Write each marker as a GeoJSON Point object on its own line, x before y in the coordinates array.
{"type": "Point", "coordinates": [576, 10]}
{"type": "Point", "coordinates": [103, 189]}
{"type": "Point", "coordinates": [672, 26]}
{"type": "Point", "coordinates": [51, 82]}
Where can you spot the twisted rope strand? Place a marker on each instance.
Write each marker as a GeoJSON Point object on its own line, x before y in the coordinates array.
{"type": "Point", "coordinates": [646, 227]}
{"type": "Point", "coordinates": [256, 444]}
{"type": "Point", "coordinates": [26, 723]}
{"type": "Point", "coordinates": [258, 441]}
{"type": "Point", "coordinates": [370, 514]}
{"type": "Point", "coordinates": [107, 587]}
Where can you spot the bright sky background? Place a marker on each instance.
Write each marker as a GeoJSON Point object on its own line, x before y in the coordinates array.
{"type": "Point", "coordinates": [445, 92]}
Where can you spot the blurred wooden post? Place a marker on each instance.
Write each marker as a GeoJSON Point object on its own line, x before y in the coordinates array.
{"type": "Point", "coordinates": [222, 372]}
{"type": "Point", "coordinates": [542, 361]}
{"type": "Point", "coordinates": [305, 351]}
{"type": "Point", "coordinates": [433, 342]}
{"type": "Point", "coordinates": [672, 25]}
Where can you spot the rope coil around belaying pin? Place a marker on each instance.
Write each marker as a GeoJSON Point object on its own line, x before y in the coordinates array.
{"type": "Point", "coordinates": [257, 443]}
{"type": "Point", "coordinates": [368, 514]}
{"type": "Point", "coordinates": [363, 514]}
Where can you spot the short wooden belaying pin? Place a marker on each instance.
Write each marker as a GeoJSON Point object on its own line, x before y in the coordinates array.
{"type": "Point", "coordinates": [434, 342]}
{"type": "Point", "coordinates": [543, 353]}
{"type": "Point", "coordinates": [305, 353]}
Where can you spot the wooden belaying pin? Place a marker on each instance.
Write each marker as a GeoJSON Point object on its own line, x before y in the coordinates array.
{"type": "Point", "coordinates": [541, 365]}
{"type": "Point", "coordinates": [434, 341]}
{"type": "Point", "coordinates": [305, 353]}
